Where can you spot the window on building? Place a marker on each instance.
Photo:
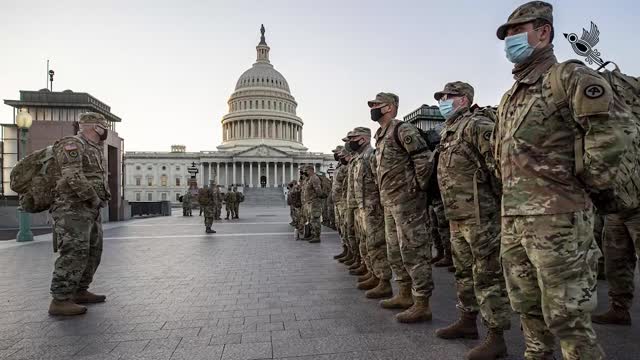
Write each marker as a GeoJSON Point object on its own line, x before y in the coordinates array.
{"type": "Point", "coordinates": [138, 167]}
{"type": "Point", "coordinates": [178, 197]}
{"type": "Point", "coordinates": [164, 196]}
{"type": "Point", "coordinates": [177, 168]}
{"type": "Point", "coordinates": [177, 181]}
{"type": "Point", "coordinates": [163, 180]}
{"type": "Point", "coordinates": [150, 181]}
{"type": "Point", "coordinates": [149, 167]}
{"type": "Point", "coordinates": [138, 196]}
{"type": "Point", "coordinates": [149, 197]}
{"type": "Point", "coordinates": [164, 167]}
{"type": "Point", "coordinates": [138, 181]}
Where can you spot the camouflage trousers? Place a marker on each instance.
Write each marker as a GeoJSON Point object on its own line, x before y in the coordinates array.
{"type": "Point", "coordinates": [361, 234]}
{"type": "Point", "coordinates": [621, 247]}
{"type": "Point", "coordinates": [313, 216]}
{"type": "Point", "coordinates": [340, 224]}
{"type": "Point", "coordinates": [295, 216]}
{"type": "Point", "coordinates": [302, 219]}
{"type": "Point", "coordinates": [439, 228]}
{"type": "Point", "coordinates": [409, 244]}
{"type": "Point", "coordinates": [350, 231]}
{"type": "Point", "coordinates": [550, 266]}
{"type": "Point", "coordinates": [236, 210]}
{"type": "Point", "coordinates": [209, 214]}
{"type": "Point", "coordinates": [479, 280]}
{"type": "Point", "coordinates": [218, 212]}
{"type": "Point", "coordinates": [373, 245]}
{"type": "Point", "coordinates": [230, 208]}
{"type": "Point", "coordinates": [78, 231]}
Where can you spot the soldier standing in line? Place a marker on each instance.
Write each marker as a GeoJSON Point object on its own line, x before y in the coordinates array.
{"type": "Point", "coordinates": [312, 197]}
{"type": "Point", "coordinates": [80, 192]}
{"type": "Point", "coordinates": [290, 204]}
{"type": "Point", "coordinates": [296, 206]}
{"type": "Point", "coordinates": [302, 215]}
{"type": "Point", "coordinates": [345, 158]}
{"type": "Point", "coordinates": [621, 245]}
{"type": "Point", "coordinates": [369, 217]}
{"type": "Point", "coordinates": [207, 200]}
{"type": "Point", "coordinates": [336, 194]}
{"type": "Point", "coordinates": [219, 196]}
{"type": "Point", "coordinates": [229, 200]}
{"type": "Point", "coordinates": [548, 252]}
{"type": "Point", "coordinates": [472, 206]}
{"type": "Point", "coordinates": [404, 167]}
{"type": "Point", "coordinates": [236, 205]}
{"type": "Point", "coordinates": [357, 264]}
{"type": "Point", "coordinates": [186, 203]}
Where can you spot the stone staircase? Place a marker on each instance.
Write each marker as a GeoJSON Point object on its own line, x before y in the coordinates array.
{"type": "Point", "coordinates": [268, 196]}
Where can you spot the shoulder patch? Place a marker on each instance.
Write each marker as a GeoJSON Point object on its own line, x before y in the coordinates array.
{"type": "Point", "coordinates": [408, 140]}
{"type": "Point", "coordinates": [593, 91]}
{"type": "Point", "coordinates": [487, 135]}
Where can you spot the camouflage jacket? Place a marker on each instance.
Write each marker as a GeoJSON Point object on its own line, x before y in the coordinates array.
{"type": "Point", "coordinates": [207, 198]}
{"type": "Point", "coordinates": [82, 174]}
{"type": "Point", "coordinates": [365, 190]}
{"type": "Point", "coordinates": [404, 162]}
{"type": "Point", "coordinates": [230, 197]}
{"type": "Point", "coordinates": [535, 146]}
{"type": "Point", "coordinates": [339, 184]}
{"type": "Point", "coordinates": [186, 199]}
{"type": "Point", "coordinates": [464, 166]}
{"type": "Point", "coordinates": [296, 196]}
{"type": "Point", "coordinates": [350, 196]}
{"type": "Point", "coordinates": [311, 190]}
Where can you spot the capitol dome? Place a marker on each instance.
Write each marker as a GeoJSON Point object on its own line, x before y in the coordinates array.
{"type": "Point", "coordinates": [262, 109]}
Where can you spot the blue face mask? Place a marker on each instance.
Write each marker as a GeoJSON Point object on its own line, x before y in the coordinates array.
{"type": "Point", "coordinates": [518, 48]}
{"type": "Point", "coordinates": [446, 107]}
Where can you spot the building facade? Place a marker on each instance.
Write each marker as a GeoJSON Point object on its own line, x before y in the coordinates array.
{"type": "Point", "coordinates": [54, 116]}
{"type": "Point", "coordinates": [261, 143]}
{"type": "Point", "coordinates": [426, 117]}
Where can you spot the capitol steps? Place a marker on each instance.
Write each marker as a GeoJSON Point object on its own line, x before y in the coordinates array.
{"type": "Point", "coordinates": [268, 196]}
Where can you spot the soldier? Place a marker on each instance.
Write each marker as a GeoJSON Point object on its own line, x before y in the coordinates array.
{"type": "Point", "coordinates": [621, 249]}
{"type": "Point", "coordinates": [312, 202]}
{"type": "Point", "coordinates": [219, 196]}
{"type": "Point", "coordinates": [549, 255]}
{"type": "Point", "coordinates": [236, 205]}
{"type": "Point", "coordinates": [347, 227]}
{"type": "Point", "coordinates": [472, 206]}
{"type": "Point", "coordinates": [336, 194]}
{"type": "Point", "coordinates": [290, 204]}
{"type": "Point", "coordinates": [357, 265]}
{"type": "Point", "coordinates": [80, 192]}
{"type": "Point", "coordinates": [302, 215]}
{"type": "Point", "coordinates": [230, 200]}
{"type": "Point", "coordinates": [186, 203]}
{"type": "Point", "coordinates": [404, 166]}
{"type": "Point", "coordinates": [207, 200]}
{"type": "Point", "coordinates": [369, 217]}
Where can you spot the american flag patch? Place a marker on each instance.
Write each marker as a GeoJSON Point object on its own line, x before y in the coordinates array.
{"type": "Point", "coordinates": [70, 147]}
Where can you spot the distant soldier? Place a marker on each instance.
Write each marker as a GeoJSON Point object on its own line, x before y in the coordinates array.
{"type": "Point", "coordinates": [290, 203]}
{"type": "Point", "coordinates": [302, 216]}
{"type": "Point", "coordinates": [313, 196]}
{"type": "Point", "coordinates": [230, 200]}
{"type": "Point", "coordinates": [207, 200]}
{"type": "Point", "coordinates": [336, 196]}
{"type": "Point", "coordinates": [340, 196]}
{"type": "Point", "coordinates": [219, 200]}
{"type": "Point", "coordinates": [404, 167]}
{"type": "Point", "coordinates": [186, 203]}
{"type": "Point", "coordinates": [80, 192]}
{"type": "Point", "coordinates": [236, 205]}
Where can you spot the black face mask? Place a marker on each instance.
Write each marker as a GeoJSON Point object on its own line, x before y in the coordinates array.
{"type": "Point", "coordinates": [354, 145]}
{"type": "Point", "coordinates": [343, 161]}
{"type": "Point", "coordinates": [104, 135]}
{"type": "Point", "coordinates": [336, 157]}
{"type": "Point", "coordinates": [376, 114]}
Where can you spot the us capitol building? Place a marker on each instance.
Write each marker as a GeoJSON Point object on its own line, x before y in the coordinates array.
{"type": "Point", "coordinates": [261, 143]}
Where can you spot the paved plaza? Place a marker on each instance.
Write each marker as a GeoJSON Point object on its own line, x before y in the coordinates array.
{"type": "Point", "coordinates": [248, 292]}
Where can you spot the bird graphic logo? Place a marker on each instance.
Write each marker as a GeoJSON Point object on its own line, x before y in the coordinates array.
{"type": "Point", "coordinates": [585, 45]}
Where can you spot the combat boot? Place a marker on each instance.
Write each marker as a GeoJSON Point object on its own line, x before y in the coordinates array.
{"type": "Point", "coordinates": [210, 230]}
{"type": "Point", "coordinates": [314, 241]}
{"type": "Point", "coordinates": [446, 260]}
{"type": "Point", "coordinates": [492, 348]}
{"type": "Point", "coordinates": [347, 258]}
{"type": "Point", "coordinates": [451, 269]}
{"type": "Point", "coordinates": [381, 291]}
{"type": "Point", "coordinates": [355, 265]}
{"type": "Point", "coordinates": [87, 297]}
{"type": "Point", "coordinates": [368, 284]}
{"type": "Point", "coordinates": [360, 270]}
{"type": "Point", "coordinates": [464, 328]}
{"type": "Point", "coordinates": [365, 277]}
{"type": "Point", "coordinates": [420, 311]}
{"type": "Point", "coordinates": [343, 253]}
{"type": "Point", "coordinates": [614, 316]}
{"type": "Point", "coordinates": [65, 308]}
{"type": "Point", "coordinates": [402, 300]}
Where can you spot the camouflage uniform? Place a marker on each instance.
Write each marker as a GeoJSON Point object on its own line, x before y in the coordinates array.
{"type": "Point", "coordinates": [313, 204]}
{"type": "Point", "coordinates": [352, 233]}
{"type": "Point", "coordinates": [370, 214]}
{"type": "Point", "coordinates": [404, 165]}
{"type": "Point", "coordinates": [207, 200]}
{"type": "Point", "coordinates": [78, 225]}
{"type": "Point", "coordinates": [302, 215]}
{"type": "Point", "coordinates": [337, 188]}
{"type": "Point", "coordinates": [219, 200]}
{"type": "Point", "coordinates": [621, 250]}
{"type": "Point", "coordinates": [472, 207]}
{"type": "Point", "coordinates": [440, 231]}
{"type": "Point", "coordinates": [236, 204]}
{"type": "Point", "coordinates": [549, 255]}
{"type": "Point", "coordinates": [186, 204]}
{"type": "Point", "coordinates": [230, 201]}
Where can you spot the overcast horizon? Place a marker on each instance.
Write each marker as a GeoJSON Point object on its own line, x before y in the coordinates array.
{"type": "Point", "coordinates": [157, 63]}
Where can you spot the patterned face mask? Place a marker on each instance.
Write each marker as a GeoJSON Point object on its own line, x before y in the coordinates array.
{"type": "Point", "coordinates": [446, 107]}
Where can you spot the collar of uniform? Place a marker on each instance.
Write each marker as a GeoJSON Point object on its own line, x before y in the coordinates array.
{"type": "Point", "coordinates": [383, 130]}
{"type": "Point", "coordinates": [451, 125]}
{"type": "Point", "coordinates": [536, 74]}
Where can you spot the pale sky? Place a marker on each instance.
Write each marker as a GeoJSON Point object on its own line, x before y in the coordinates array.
{"type": "Point", "coordinates": [167, 68]}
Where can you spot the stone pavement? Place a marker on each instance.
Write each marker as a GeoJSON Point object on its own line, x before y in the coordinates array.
{"type": "Point", "coordinates": [248, 292]}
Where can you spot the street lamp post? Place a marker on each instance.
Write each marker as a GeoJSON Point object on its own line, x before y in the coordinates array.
{"type": "Point", "coordinates": [331, 171]}
{"type": "Point", "coordinates": [24, 121]}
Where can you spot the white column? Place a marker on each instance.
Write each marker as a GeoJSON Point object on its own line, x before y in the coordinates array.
{"type": "Point", "coordinates": [267, 171]}
{"type": "Point", "coordinates": [234, 173]}
{"type": "Point", "coordinates": [201, 174]}
{"type": "Point", "coordinates": [251, 174]}
{"type": "Point", "coordinates": [210, 170]}
{"type": "Point", "coordinates": [218, 172]}
{"type": "Point", "coordinates": [291, 171]}
{"type": "Point", "coordinates": [242, 173]}
{"type": "Point", "coordinates": [226, 174]}
{"type": "Point", "coordinates": [284, 181]}
{"type": "Point", "coordinates": [259, 173]}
